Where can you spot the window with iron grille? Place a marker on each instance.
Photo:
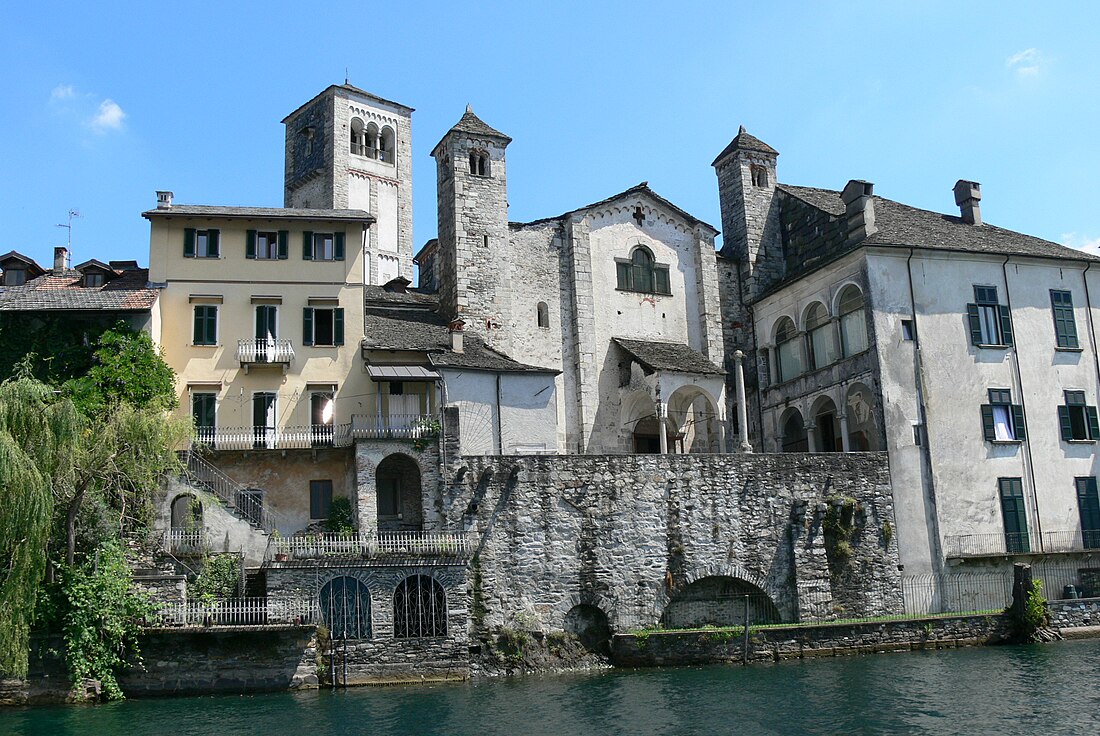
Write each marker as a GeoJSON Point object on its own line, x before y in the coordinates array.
{"type": "Point", "coordinates": [345, 608]}
{"type": "Point", "coordinates": [419, 608]}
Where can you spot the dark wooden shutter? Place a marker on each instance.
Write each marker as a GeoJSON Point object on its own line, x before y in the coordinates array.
{"type": "Point", "coordinates": [1006, 325]}
{"type": "Point", "coordinates": [338, 326]}
{"type": "Point", "coordinates": [1064, 423]}
{"type": "Point", "coordinates": [307, 246]}
{"type": "Point", "coordinates": [189, 242]}
{"type": "Point", "coordinates": [196, 338]}
{"type": "Point", "coordinates": [250, 244]}
{"type": "Point", "coordinates": [988, 427]}
{"type": "Point", "coordinates": [213, 244]}
{"type": "Point", "coordinates": [622, 271]}
{"type": "Point", "coordinates": [1088, 504]}
{"type": "Point", "coordinates": [307, 326]}
{"type": "Point", "coordinates": [338, 246]}
{"type": "Point", "coordinates": [1015, 515]}
{"type": "Point", "coordinates": [1093, 422]}
{"type": "Point", "coordinates": [660, 277]}
{"type": "Point", "coordinates": [975, 324]}
{"type": "Point", "coordinates": [1018, 423]}
{"type": "Point", "coordinates": [284, 239]}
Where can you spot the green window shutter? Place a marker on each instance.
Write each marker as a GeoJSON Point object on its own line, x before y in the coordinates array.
{"type": "Point", "coordinates": [1006, 325]}
{"type": "Point", "coordinates": [988, 428]}
{"type": "Point", "coordinates": [338, 326]}
{"type": "Point", "coordinates": [622, 271]}
{"type": "Point", "coordinates": [213, 248]}
{"type": "Point", "coordinates": [307, 246]}
{"type": "Point", "coordinates": [1064, 423]}
{"type": "Point", "coordinates": [196, 337]}
{"type": "Point", "coordinates": [284, 239]}
{"type": "Point", "coordinates": [189, 242]}
{"type": "Point", "coordinates": [250, 244]}
{"type": "Point", "coordinates": [307, 326]}
{"type": "Point", "coordinates": [975, 324]}
{"type": "Point", "coordinates": [338, 246]}
{"type": "Point", "coordinates": [1018, 422]}
{"type": "Point", "coordinates": [1094, 424]}
{"type": "Point", "coordinates": [660, 276]}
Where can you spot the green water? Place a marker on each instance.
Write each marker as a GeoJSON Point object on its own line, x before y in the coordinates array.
{"type": "Point", "coordinates": [1050, 689]}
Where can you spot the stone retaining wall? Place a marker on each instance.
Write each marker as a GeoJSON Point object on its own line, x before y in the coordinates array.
{"type": "Point", "coordinates": [1074, 613]}
{"type": "Point", "coordinates": [829, 640]}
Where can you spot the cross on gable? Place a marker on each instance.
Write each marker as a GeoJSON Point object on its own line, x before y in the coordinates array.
{"type": "Point", "coordinates": [639, 216]}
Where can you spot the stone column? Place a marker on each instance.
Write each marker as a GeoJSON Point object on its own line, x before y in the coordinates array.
{"type": "Point", "coordinates": [811, 438]}
{"type": "Point", "coordinates": [742, 406]}
{"type": "Point", "coordinates": [844, 442]}
{"type": "Point", "coordinates": [662, 429]}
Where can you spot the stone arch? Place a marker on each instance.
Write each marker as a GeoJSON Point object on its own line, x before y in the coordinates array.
{"type": "Point", "coordinates": [826, 420]}
{"type": "Point", "coordinates": [861, 408]}
{"type": "Point", "coordinates": [641, 425]}
{"type": "Point", "coordinates": [788, 353]}
{"type": "Point", "coordinates": [591, 626]}
{"type": "Point", "coordinates": [387, 145]}
{"type": "Point", "coordinates": [398, 485]}
{"type": "Point", "coordinates": [792, 431]}
{"type": "Point", "coordinates": [851, 311]}
{"type": "Point", "coordinates": [358, 136]}
{"type": "Point", "coordinates": [187, 512]}
{"type": "Point", "coordinates": [345, 605]}
{"type": "Point", "coordinates": [542, 314]}
{"type": "Point", "coordinates": [719, 600]}
{"type": "Point", "coordinates": [693, 411]}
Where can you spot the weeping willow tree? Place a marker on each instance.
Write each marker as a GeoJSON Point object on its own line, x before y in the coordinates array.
{"type": "Point", "coordinates": [55, 462]}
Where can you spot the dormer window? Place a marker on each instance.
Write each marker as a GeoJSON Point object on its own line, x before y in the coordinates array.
{"type": "Point", "coordinates": [479, 163]}
{"type": "Point", "coordinates": [94, 279]}
{"type": "Point", "coordinates": [15, 276]}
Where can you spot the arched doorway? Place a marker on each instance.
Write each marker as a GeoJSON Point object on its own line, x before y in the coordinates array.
{"type": "Point", "coordinates": [187, 536]}
{"type": "Point", "coordinates": [793, 432]}
{"type": "Point", "coordinates": [186, 512]}
{"type": "Point", "coordinates": [719, 600]}
{"type": "Point", "coordinates": [589, 624]}
{"type": "Point", "coordinates": [826, 426]}
{"type": "Point", "coordinates": [345, 608]}
{"type": "Point", "coordinates": [400, 507]}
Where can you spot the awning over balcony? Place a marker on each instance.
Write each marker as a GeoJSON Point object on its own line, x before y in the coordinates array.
{"type": "Point", "coordinates": [401, 373]}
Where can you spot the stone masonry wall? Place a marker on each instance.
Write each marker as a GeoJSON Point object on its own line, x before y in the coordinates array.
{"type": "Point", "coordinates": [628, 533]}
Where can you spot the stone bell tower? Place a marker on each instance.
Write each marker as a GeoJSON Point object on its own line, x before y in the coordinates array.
{"type": "Point", "coordinates": [472, 195]}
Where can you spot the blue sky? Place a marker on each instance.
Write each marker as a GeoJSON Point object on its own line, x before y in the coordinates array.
{"type": "Point", "coordinates": [102, 104]}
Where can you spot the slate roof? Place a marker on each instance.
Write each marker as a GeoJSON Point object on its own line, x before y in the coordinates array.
{"type": "Point", "coordinates": [470, 123]}
{"type": "Point", "coordinates": [668, 356]}
{"type": "Point", "coordinates": [901, 225]}
{"type": "Point", "coordinates": [61, 291]}
{"type": "Point", "coordinates": [642, 188]}
{"type": "Point", "coordinates": [744, 141]}
{"type": "Point", "coordinates": [404, 325]}
{"type": "Point", "coordinates": [259, 213]}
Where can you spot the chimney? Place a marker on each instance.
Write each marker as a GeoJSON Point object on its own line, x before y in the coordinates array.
{"type": "Point", "coordinates": [968, 196]}
{"type": "Point", "coordinates": [859, 207]}
{"type": "Point", "coordinates": [60, 258]}
{"type": "Point", "coordinates": [456, 327]}
{"type": "Point", "coordinates": [164, 200]}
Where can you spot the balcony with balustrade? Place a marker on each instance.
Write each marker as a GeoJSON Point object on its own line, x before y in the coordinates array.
{"type": "Point", "coordinates": [260, 352]}
{"type": "Point", "coordinates": [378, 546]}
{"type": "Point", "coordinates": [313, 436]}
{"type": "Point", "coordinates": [970, 546]}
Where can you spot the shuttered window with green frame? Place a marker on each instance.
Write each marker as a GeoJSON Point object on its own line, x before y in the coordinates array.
{"type": "Point", "coordinates": [1077, 421]}
{"type": "Point", "coordinates": [1088, 504]}
{"type": "Point", "coordinates": [323, 326]}
{"type": "Point", "coordinates": [1065, 327]}
{"type": "Point", "coordinates": [1014, 514]}
{"type": "Point", "coordinates": [1003, 421]}
{"type": "Point", "coordinates": [990, 322]}
{"type": "Point", "coordinates": [206, 325]}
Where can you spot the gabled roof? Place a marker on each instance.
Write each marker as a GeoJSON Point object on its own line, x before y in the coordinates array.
{"type": "Point", "coordinates": [901, 225]}
{"type": "Point", "coordinates": [639, 189]}
{"type": "Point", "coordinates": [667, 356]}
{"type": "Point", "coordinates": [27, 262]}
{"type": "Point", "coordinates": [352, 89]}
{"type": "Point", "coordinates": [258, 213]}
{"type": "Point", "coordinates": [63, 291]}
{"type": "Point", "coordinates": [93, 263]}
{"type": "Point", "coordinates": [744, 141]}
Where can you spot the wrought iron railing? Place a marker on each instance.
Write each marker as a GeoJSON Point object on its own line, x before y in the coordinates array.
{"type": "Point", "coordinates": [246, 502]}
{"type": "Point", "coordinates": [986, 545]}
{"type": "Point", "coordinates": [415, 544]}
{"type": "Point", "coordinates": [263, 350]}
{"type": "Point", "coordinates": [1071, 541]}
{"type": "Point", "coordinates": [396, 426]}
{"type": "Point", "coordinates": [186, 542]}
{"type": "Point", "coordinates": [236, 612]}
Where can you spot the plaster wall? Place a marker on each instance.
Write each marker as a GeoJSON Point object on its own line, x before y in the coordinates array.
{"type": "Point", "coordinates": [527, 414]}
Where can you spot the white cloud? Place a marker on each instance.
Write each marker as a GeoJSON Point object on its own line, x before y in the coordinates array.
{"type": "Point", "coordinates": [108, 117]}
{"type": "Point", "coordinates": [1026, 63]}
{"type": "Point", "coordinates": [63, 92]}
{"type": "Point", "coordinates": [1081, 242]}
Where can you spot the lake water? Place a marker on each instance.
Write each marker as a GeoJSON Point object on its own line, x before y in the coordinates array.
{"type": "Point", "coordinates": [1048, 689]}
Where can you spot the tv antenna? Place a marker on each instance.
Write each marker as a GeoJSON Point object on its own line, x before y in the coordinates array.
{"type": "Point", "coordinates": [69, 226]}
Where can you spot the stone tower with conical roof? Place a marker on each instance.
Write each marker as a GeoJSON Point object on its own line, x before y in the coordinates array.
{"type": "Point", "coordinates": [746, 171]}
{"type": "Point", "coordinates": [474, 270]}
